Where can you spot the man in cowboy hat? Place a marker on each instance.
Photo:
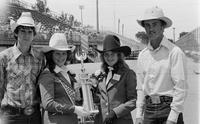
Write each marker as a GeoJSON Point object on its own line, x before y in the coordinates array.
{"type": "Point", "coordinates": [20, 66]}
{"type": "Point", "coordinates": [161, 74]}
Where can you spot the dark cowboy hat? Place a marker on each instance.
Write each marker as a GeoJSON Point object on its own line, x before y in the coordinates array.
{"type": "Point", "coordinates": [112, 43]}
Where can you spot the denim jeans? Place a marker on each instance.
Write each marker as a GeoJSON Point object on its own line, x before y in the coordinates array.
{"type": "Point", "coordinates": [158, 113]}
{"type": "Point", "coordinates": [13, 118]}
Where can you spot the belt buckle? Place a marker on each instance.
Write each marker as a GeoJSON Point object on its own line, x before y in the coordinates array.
{"type": "Point", "coordinates": [155, 99]}
{"type": "Point", "coordinates": [29, 110]}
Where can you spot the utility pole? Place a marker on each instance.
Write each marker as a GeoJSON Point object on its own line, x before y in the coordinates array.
{"type": "Point", "coordinates": [174, 34]}
{"type": "Point", "coordinates": [114, 15]}
{"type": "Point", "coordinates": [122, 29]}
{"type": "Point", "coordinates": [97, 7]}
{"type": "Point", "coordinates": [118, 26]}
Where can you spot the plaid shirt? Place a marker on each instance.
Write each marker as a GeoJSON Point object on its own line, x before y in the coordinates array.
{"type": "Point", "coordinates": [18, 75]}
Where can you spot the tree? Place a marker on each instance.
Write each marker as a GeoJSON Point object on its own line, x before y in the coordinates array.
{"type": "Point", "coordinates": [47, 10]}
{"type": "Point", "coordinates": [41, 5]}
{"type": "Point", "coordinates": [77, 23]}
{"type": "Point", "coordinates": [182, 34]}
{"type": "Point", "coordinates": [142, 37]}
{"type": "Point", "coordinates": [63, 18]}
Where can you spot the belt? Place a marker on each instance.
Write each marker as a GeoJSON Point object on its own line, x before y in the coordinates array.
{"type": "Point", "coordinates": [29, 110]}
{"type": "Point", "coordinates": [158, 99]}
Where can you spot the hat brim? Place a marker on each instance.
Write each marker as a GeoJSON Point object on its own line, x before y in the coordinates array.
{"type": "Point", "coordinates": [165, 19]}
{"type": "Point", "coordinates": [124, 49]}
{"type": "Point", "coordinates": [48, 49]}
{"type": "Point", "coordinates": [15, 25]}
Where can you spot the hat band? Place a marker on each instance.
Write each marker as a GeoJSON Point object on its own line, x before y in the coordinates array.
{"type": "Point", "coordinates": [27, 24]}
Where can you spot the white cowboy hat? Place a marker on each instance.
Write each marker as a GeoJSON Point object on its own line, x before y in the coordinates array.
{"type": "Point", "coordinates": [58, 41]}
{"type": "Point", "coordinates": [25, 19]}
{"type": "Point", "coordinates": [155, 13]}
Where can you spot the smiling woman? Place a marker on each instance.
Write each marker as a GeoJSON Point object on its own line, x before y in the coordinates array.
{"type": "Point", "coordinates": [57, 84]}
{"type": "Point", "coordinates": [117, 89]}
{"type": "Point", "coordinates": [59, 57]}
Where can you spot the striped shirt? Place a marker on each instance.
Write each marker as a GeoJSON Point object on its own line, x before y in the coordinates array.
{"type": "Point", "coordinates": [18, 75]}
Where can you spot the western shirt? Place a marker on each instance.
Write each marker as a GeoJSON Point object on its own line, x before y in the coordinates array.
{"type": "Point", "coordinates": [54, 97]}
{"type": "Point", "coordinates": [18, 74]}
{"type": "Point", "coordinates": [63, 70]}
{"type": "Point", "coordinates": [162, 72]}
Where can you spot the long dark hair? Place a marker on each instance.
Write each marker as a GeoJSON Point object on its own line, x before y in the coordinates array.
{"type": "Point", "coordinates": [119, 64]}
{"type": "Point", "coordinates": [50, 64]}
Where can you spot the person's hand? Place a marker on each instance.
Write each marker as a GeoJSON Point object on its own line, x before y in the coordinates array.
{"type": "Point", "coordinates": [77, 85]}
{"type": "Point", "coordinates": [92, 81]}
{"type": "Point", "coordinates": [139, 121]}
{"type": "Point", "coordinates": [170, 122]}
{"type": "Point", "coordinates": [80, 111]}
{"type": "Point", "coordinates": [110, 117]}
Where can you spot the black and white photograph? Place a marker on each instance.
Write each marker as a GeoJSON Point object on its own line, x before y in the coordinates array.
{"type": "Point", "coordinates": [99, 61]}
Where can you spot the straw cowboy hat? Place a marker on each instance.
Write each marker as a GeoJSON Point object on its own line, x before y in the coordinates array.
{"type": "Point", "coordinates": [112, 43]}
{"type": "Point", "coordinates": [58, 41]}
{"type": "Point", "coordinates": [25, 19]}
{"type": "Point", "coordinates": [155, 13]}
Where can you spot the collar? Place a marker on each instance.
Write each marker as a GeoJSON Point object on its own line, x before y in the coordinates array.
{"type": "Point", "coordinates": [164, 42]}
{"type": "Point", "coordinates": [60, 69]}
{"type": "Point", "coordinates": [110, 68]}
{"type": "Point", "coordinates": [17, 52]}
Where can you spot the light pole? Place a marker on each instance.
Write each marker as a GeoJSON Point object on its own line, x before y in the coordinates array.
{"type": "Point", "coordinates": [97, 7]}
{"type": "Point", "coordinates": [81, 7]}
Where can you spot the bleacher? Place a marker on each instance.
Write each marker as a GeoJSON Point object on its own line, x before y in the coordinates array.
{"type": "Point", "coordinates": [45, 19]}
{"type": "Point", "coordinates": [48, 23]}
{"type": "Point", "coordinates": [190, 44]}
{"type": "Point", "coordinates": [190, 41]}
{"type": "Point", "coordinates": [81, 39]}
{"type": "Point", "coordinates": [134, 45]}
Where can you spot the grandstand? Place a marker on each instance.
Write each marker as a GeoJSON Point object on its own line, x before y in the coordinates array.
{"type": "Point", "coordinates": [190, 44]}
{"type": "Point", "coordinates": [134, 45]}
{"type": "Point", "coordinates": [190, 41]}
{"type": "Point", "coordinates": [83, 40]}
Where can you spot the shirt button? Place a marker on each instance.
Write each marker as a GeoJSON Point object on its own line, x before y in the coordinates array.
{"type": "Point", "coordinates": [106, 104]}
{"type": "Point", "coordinates": [107, 113]}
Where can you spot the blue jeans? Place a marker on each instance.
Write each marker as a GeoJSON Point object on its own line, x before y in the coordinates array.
{"type": "Point", "coordinates": [8, 117]}
{"type": "Point", "coordinates": [158, 113]}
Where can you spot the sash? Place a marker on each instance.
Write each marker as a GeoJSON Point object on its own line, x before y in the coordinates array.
{"type": "Point", "coordinates": [67, 87]}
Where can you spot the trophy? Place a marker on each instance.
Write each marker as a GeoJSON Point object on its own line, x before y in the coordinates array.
{"type": "Point", "coordinates": [87, 95]}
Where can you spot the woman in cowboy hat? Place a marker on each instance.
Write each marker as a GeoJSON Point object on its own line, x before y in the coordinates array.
{"type": "Point", "coordinates": [20, 66]}
{"type": "Point", "coordinates": [57, 84]}
{"type": "Point", "coordinates": [161, 77]}
{"type": "Point", "coordinates": [116, 83]}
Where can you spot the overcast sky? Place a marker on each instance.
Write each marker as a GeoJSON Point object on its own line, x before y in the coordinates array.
{"type": "Point", "coordinates": [184, 13]}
